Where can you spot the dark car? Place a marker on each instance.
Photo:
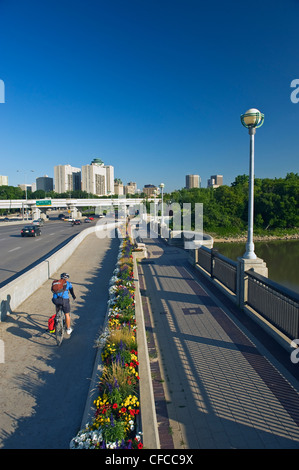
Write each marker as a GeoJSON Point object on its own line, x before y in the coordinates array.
{"type": "Point", "coordinates": [87, 221]}
{"type": "Point", "coordinates": [31, 231]}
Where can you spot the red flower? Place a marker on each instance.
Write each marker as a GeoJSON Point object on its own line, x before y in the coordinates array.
{"type": "Point", "coordinates": [114, 406]}
{"type": "Point", "coordinates": [140, 445]}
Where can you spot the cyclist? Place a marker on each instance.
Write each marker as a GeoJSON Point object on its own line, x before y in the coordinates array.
{"type": "Point", "coordinates": [62, 299]}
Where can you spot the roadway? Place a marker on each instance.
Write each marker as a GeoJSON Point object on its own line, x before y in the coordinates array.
{"type": "Point", "coordinates": [19, 254]}
{"type": "Point", "coordinates": [43, 387]}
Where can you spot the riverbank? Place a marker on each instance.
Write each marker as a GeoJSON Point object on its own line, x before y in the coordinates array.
{"type": "Point", "coordinates": [257, 238]}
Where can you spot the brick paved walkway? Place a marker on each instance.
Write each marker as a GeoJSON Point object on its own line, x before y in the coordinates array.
{"type": "Point", "coordinates": [216, 385]}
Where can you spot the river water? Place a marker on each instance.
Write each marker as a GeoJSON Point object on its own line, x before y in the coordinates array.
{"type": "Point", "coordinates": [281, 257]}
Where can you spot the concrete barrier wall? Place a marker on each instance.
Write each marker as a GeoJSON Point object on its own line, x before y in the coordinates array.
{"type": "Point", "coordinates": [18, 290]}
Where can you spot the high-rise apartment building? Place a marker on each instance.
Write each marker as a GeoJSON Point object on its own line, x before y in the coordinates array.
{"type": "Point", "coordinates": [66, 178]}
{"type": "Point", "coordinates": [98, 178]}
{"type": "Point", "coordinates": [3, 180]}
{"type": "Point", "coordinates": [109, 178]}
{"type": "Point", "coordinates": [193, 181]}
{"type": "Point", "coordinates": [215, 181]}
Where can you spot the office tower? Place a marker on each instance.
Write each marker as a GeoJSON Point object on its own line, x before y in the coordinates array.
{"type": "Point", "coordinates": [3, 180]}
{"type": "Point", "coordinates": [215, 181]}
{"type": "Point", "coordinates": [193, 181]}
{"type": "Point", "coordinates": [44, 183]}
{"type": "Point", "coordinates": [66, 178]}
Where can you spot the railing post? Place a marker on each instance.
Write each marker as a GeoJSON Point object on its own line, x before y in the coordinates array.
{"type": "Point", "coordinates": [258, 265]}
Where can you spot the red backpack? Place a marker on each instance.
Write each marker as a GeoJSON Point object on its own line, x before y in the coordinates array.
{"type": "Point", "coordinates": [58, 286]}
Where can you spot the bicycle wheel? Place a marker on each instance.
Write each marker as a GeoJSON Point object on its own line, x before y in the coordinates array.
{"type": "Point", "coordinates": [59, 327]}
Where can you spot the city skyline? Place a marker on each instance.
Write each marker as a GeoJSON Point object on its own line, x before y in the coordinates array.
{"type": "Point", "coordinates": [155, 88]}
{"type": "Point", "coordinates": [83, 188]}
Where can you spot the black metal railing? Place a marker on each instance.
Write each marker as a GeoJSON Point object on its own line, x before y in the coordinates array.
{"type": "Point", "coordinates": [224, 270]}
{"type": "Point", "coordinates": [205, 259]}
{"type": "Point", "coordinates": [276, 303]}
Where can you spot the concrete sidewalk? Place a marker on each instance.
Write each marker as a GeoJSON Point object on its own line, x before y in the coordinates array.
{"type": "Point", "coordinates": [220, 382]}
{"type": "Point", "coordinates": [43, 388]}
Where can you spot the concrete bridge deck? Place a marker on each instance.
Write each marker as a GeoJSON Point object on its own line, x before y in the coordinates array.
{"type": "Point", "coordinates": [220, 382]}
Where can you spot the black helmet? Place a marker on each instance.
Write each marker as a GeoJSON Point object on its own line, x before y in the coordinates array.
{"type": "Point", "coordinates": [64, 276]}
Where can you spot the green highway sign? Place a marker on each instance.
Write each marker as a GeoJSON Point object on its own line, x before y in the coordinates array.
{"type": "Point", "coordinates": [44, 202]}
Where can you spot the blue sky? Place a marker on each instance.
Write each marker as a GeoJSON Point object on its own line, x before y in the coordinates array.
{"type": "Point", "coordinates": [153, 87]}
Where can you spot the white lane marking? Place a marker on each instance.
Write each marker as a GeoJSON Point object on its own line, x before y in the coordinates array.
{"type": "Point", "coordinates": [14, 249]}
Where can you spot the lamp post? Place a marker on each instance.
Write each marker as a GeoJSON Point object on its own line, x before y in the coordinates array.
{"type": "Point", "coordinates": [162, 210]}
{"type": "Point", "coordinates": [252, 119]}
{"type": "Point", "coordinates": [26, 196]}
{"type": "Point", "coordinates": [155, 211]}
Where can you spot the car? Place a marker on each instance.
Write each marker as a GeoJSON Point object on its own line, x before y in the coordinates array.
{"type": "Point", "coordinates": [76, 222]}
{"type": "Point", "coordinates": [31, 231]}
{"type": "Point", "coordinates": [38, 222]}
{"type": "Point", "coordinates": [87, 221]}
{"type": "Point", "coordinates": [62, 216]}
{"type": "Point", "coordinates": [91, 218]}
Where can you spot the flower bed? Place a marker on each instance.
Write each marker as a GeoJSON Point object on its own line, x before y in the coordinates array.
{"type": "Point", "coordinates": [117, 406]}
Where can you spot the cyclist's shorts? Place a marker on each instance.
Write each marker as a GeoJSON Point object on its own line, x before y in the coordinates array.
{"type": "Point", "coordinates": [64, 303]}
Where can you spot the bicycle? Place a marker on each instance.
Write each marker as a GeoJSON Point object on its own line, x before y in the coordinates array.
{"type": "Point", "coordinates": [60, 327]}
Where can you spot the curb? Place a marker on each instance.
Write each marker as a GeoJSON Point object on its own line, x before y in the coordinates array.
{"type": "Point", "coordinates": [147, 401]}
{"type": "Point", "coordinates": [149, 426]}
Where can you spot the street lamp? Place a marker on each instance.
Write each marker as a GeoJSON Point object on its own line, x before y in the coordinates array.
{"type": "Point", "coordinates": [162, 211]}
{"type": "Point", "coordinates": [252, 119]}
{"type": "Point", "coordinates": [155, 209]}
{"type": "Point", "coordinates": [26, 196]}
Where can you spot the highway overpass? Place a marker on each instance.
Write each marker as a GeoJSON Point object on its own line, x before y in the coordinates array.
{"type": "Point", "coordinates": [70, 204]}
